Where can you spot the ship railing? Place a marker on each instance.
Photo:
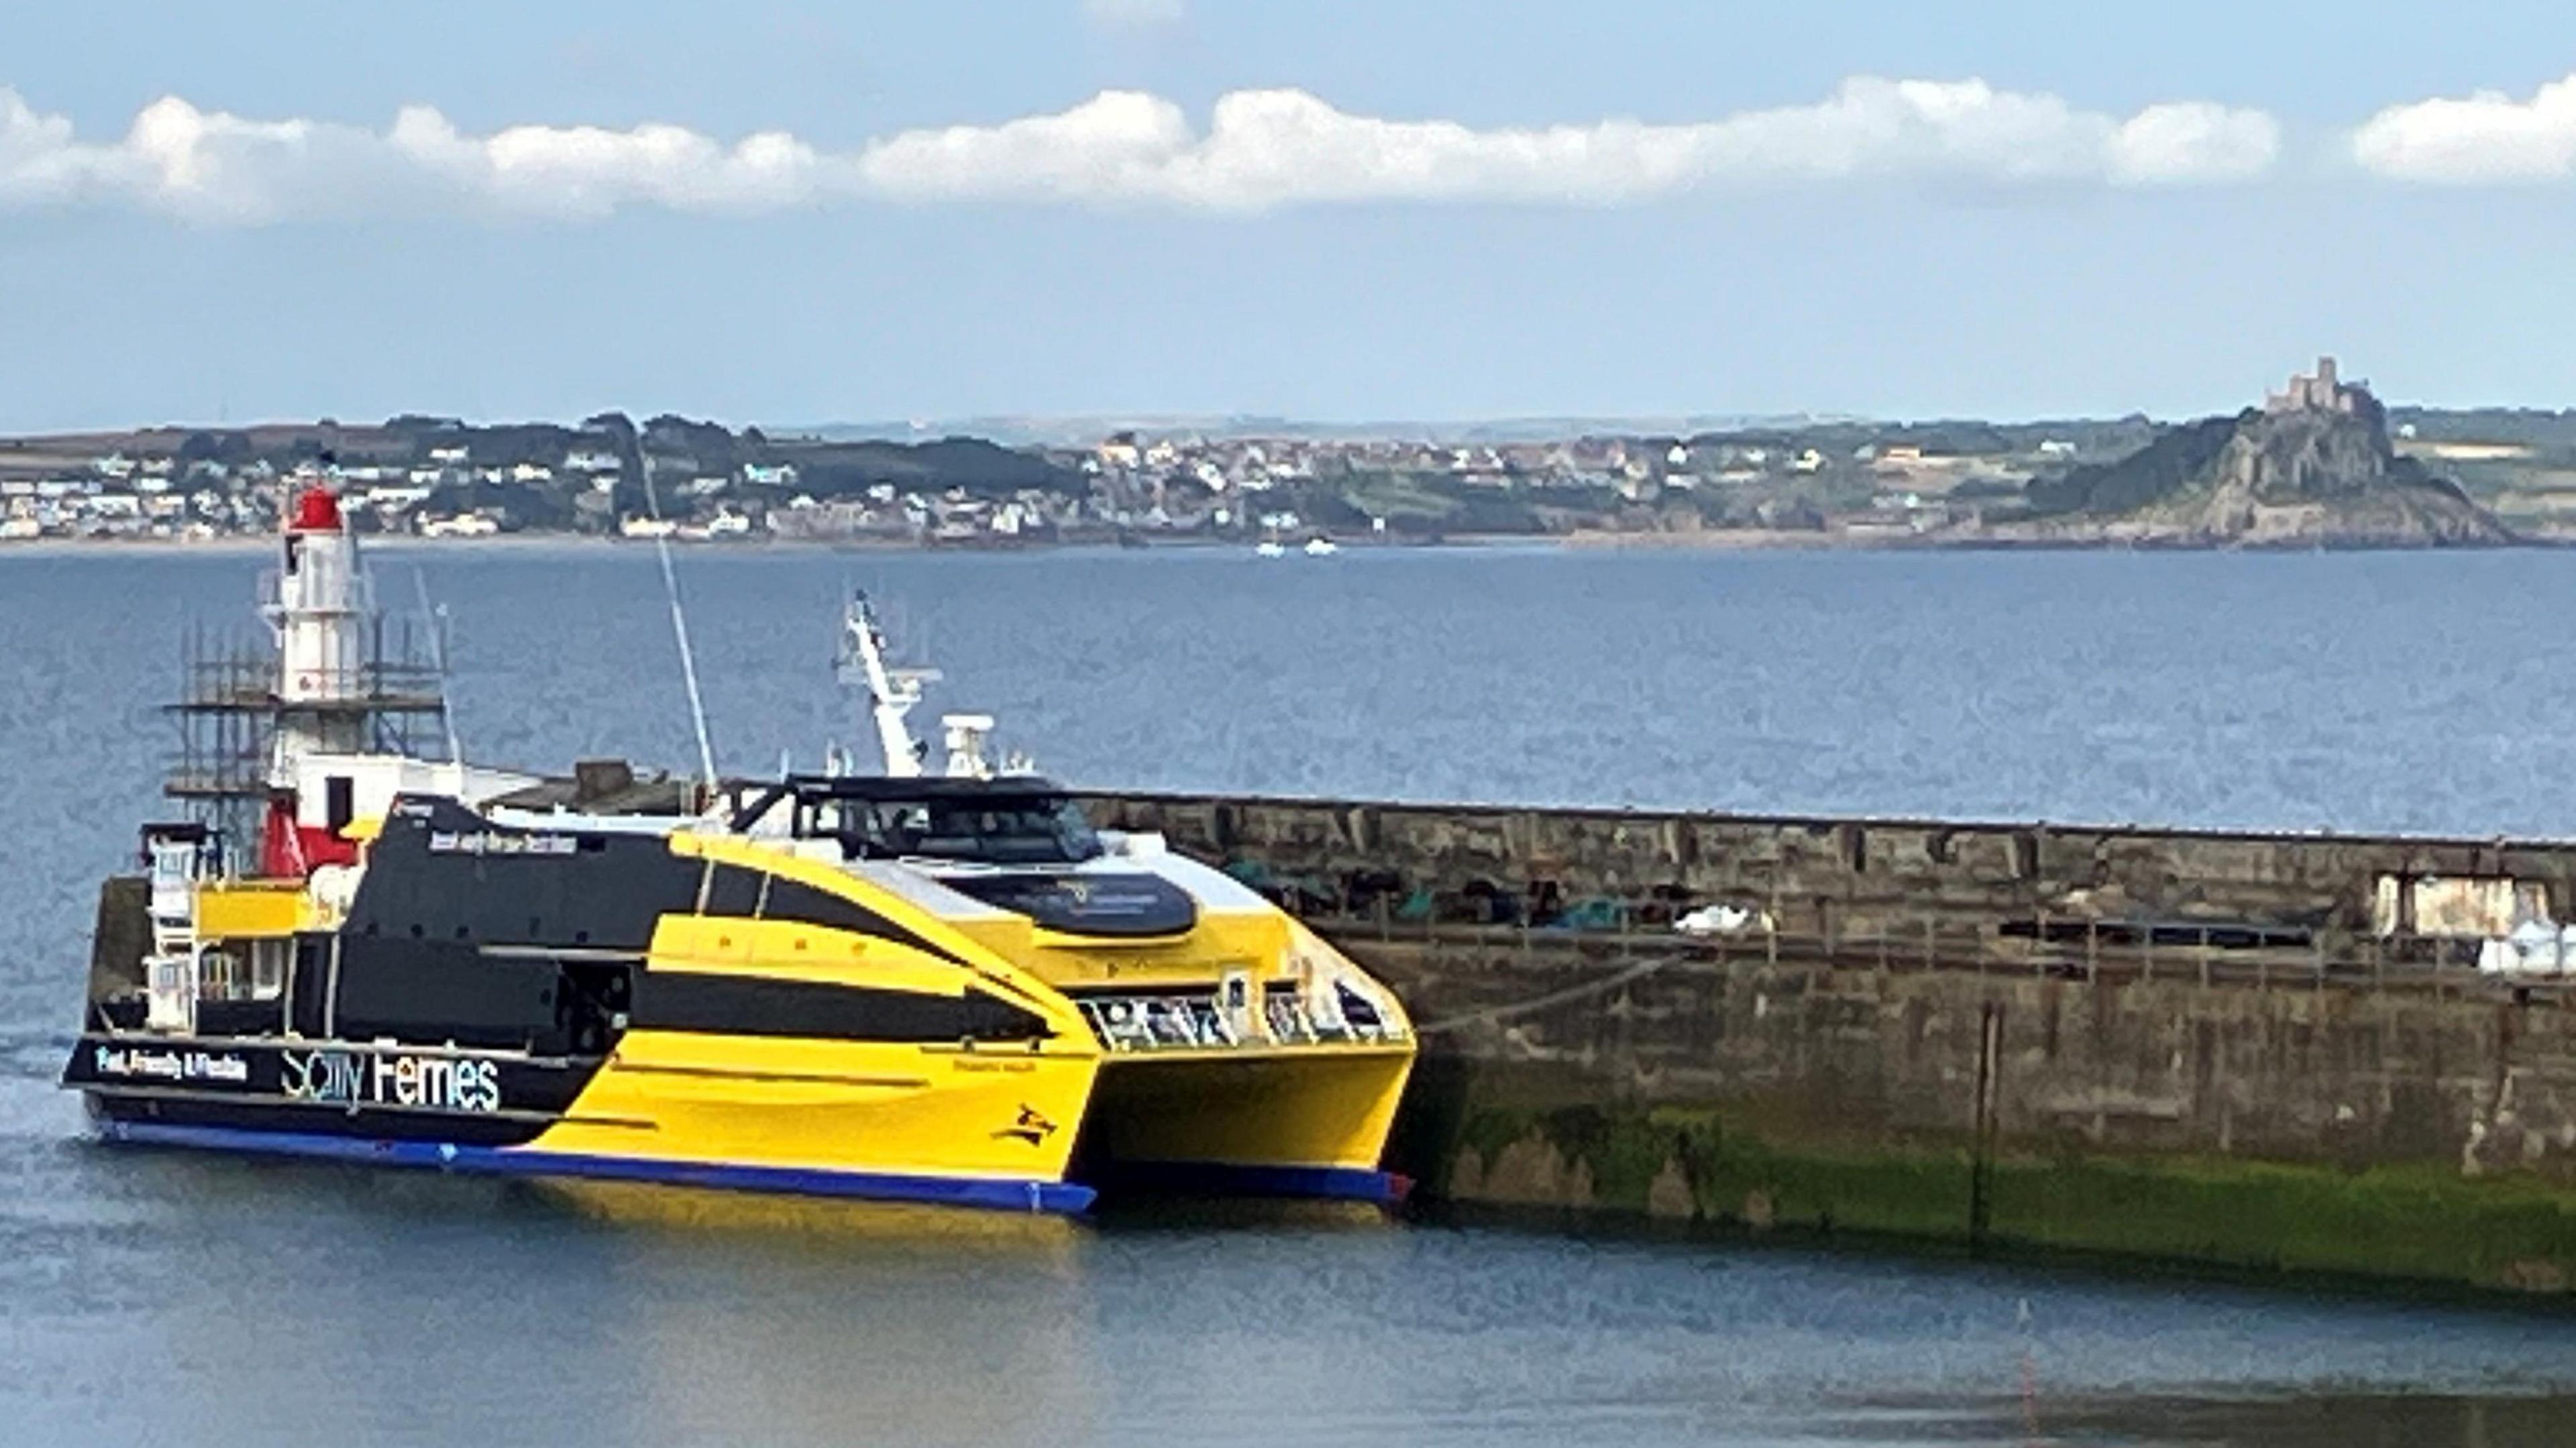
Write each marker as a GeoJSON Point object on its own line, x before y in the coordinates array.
{"type": "Point", "coordinates": [1203, 1022]}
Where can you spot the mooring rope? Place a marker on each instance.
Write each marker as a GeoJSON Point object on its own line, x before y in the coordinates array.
{"type": "Point", "coordinates": [1494, 1014]}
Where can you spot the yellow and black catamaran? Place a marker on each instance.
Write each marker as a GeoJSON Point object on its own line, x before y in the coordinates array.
{"type": "Point", "coordinates": [889, 985]}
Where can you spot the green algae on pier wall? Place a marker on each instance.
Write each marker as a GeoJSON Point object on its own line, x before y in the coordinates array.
{"type": "Point", "coordinates": [1680, 1165]}
{"type": "Point", "coordinates": [2263, 1132]}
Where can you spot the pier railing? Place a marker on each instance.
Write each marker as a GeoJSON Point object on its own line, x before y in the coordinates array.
{"type": "Point", "coordinates": [2313, 908]}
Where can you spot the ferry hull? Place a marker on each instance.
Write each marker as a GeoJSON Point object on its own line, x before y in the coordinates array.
{"type": "Point", "coordinates": [809, 1118]}
{"type": "Point", "coordinates": [1019, 1131]}
{"type": "Point", "coordinates": [869, 1107]}
{"type": "Point", "coordinates": [1309, 1122]}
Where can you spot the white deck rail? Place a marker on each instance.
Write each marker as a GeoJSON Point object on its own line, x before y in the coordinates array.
{"type": "Point", "coordinates": [1202, 1021]}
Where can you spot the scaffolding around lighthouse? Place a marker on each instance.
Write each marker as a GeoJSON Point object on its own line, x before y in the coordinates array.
{"type": "Point", "coordinates": [334, 677]}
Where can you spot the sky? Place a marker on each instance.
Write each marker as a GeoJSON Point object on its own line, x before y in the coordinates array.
{"type": "Point", "coordinates": [803, 213]}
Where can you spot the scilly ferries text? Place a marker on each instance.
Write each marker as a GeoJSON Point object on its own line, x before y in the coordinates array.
{"type": "Point", "coordinates": [438, 1083]}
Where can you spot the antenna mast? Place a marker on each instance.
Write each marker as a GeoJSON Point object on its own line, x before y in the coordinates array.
{"type": "Point", "coordinates": [891, 692]}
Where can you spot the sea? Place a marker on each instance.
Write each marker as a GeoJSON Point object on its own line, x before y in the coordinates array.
{"type": "Point", "coordinates": [151, 1297]}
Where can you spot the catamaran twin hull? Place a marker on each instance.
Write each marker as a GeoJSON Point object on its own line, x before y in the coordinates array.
{"type": "Point", "coordinates": [697, 1006]}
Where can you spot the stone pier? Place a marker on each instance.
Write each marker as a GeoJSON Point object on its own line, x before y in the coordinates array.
{"type": "Point", "coordinates": [2251, 1051]}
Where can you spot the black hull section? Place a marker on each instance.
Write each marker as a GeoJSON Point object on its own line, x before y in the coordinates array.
{"type": "Point", "coordinates": [326, 1088]}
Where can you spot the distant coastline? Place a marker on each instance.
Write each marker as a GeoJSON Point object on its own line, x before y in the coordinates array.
{"type": "Point", "coordinates": [1600, 543]}
{"type": "Point", "coordinates": [2320, 464]}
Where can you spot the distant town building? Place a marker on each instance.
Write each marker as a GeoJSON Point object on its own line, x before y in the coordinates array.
{"type": "Point", "coordinates": [462, 525]}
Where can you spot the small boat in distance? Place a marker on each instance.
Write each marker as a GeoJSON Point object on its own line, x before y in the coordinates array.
{"type": "Point", "coordinates": [948, 988]}
{"type": "Point", "coordinates": [1318, 546]}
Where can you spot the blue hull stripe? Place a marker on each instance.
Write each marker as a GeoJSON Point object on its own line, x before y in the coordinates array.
{"type": "Point", "coordinates": [1025, 1196]}
{"type": "Point", "coordinates": [1222, 1179]}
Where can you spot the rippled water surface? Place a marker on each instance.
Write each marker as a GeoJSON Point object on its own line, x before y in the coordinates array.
{"type": "Point", "coordinates": [174, 1298]}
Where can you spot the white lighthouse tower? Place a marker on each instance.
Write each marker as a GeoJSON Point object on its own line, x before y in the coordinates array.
{"type": "Point", "coordinates": [319, 607]}
{"type": "Point", "coordinates": [317, 604]}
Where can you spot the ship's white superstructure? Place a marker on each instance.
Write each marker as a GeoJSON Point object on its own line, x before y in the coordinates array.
{"type": "Point", "coordinates": [891, 692]}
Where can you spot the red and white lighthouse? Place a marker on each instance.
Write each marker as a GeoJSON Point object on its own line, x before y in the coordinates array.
{"type": "Point", "coordinates": [318, 606]}
{"type": "Point", "coordinates": [318, 609]}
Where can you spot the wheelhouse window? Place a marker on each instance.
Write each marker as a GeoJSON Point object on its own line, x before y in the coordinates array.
{"type": "Point", "coordinates": [1015, 821]}
{"type": "Point", "coordinates": [1004, 830]}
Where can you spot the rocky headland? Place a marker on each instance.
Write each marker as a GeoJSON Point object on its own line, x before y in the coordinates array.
{"type": "Point", "coordinates": [2314, 467]}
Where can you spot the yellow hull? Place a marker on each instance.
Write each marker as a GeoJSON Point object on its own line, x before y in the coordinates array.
{"type": "Point", "coordinates": [1309, 1121]}
{"type": "Point", "coordinates": [832, 1106]}
{"type": "Point", "coordinates": [1302, 1121]}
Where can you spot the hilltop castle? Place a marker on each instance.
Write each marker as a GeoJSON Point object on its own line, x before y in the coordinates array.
{"type": "Point", "coordinates": [2323, 392]}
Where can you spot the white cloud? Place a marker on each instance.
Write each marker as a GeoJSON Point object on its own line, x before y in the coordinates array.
{"type": "Point", "coordinates": [588, 171]}
{"type": "Point", "coordinates": [2194, 141]}
{"type": "Point", "coordinates": [1135, 14]}
{"type": "Point", "coordinates": [31, 151]}
{"type": "Point", "coordinates": [2486, 137]}
{"type": "Point", "coordinates": [1112, 146]}
{"type": "Point", "coordinates": [1260, 150]}
{"type": "Point", "coordinates": [1273, 148]}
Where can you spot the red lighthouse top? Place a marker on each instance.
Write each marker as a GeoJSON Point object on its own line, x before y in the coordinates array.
{"type": "Point", "coordinates": [316, 511]}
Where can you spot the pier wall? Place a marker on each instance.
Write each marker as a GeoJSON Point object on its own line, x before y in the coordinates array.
{"type": "Point", "coordinates": [2234, 1050]}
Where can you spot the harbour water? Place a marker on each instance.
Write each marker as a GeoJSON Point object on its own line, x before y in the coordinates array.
{"type": "Point", "coordinates": [169, 1298]}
